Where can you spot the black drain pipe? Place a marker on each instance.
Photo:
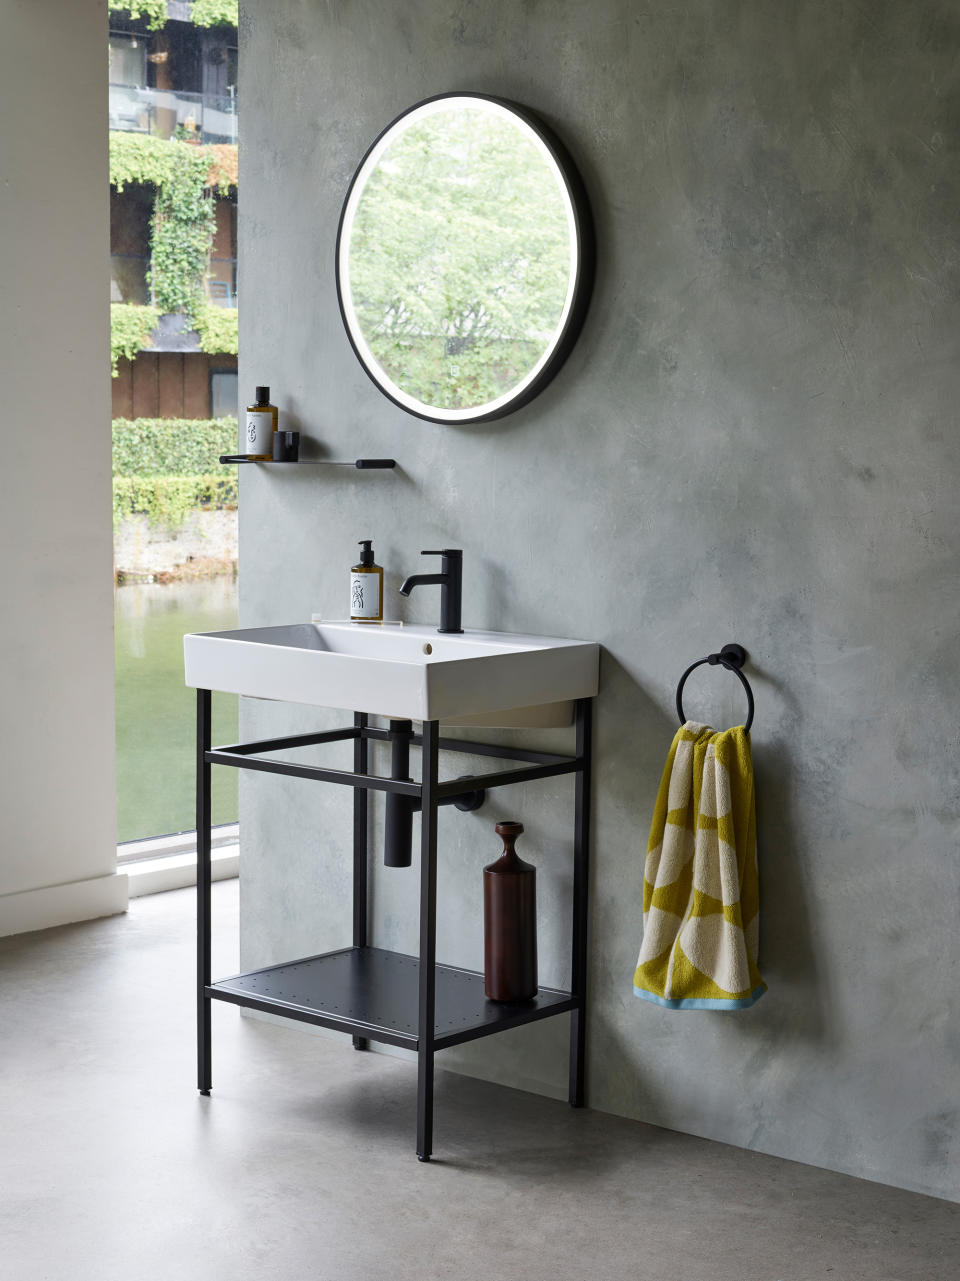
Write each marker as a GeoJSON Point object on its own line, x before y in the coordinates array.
{"type": "Point", "coordinates": [398, 825]}
{"type": "Point", "coordinates": [398, 822]}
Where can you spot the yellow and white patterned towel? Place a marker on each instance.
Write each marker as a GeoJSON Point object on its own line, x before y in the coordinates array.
{"type": "Point", "coordinates": [701, 894]}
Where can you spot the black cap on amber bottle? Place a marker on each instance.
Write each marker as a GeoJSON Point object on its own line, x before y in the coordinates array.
{"type": "Point", "coordinates": [366, 551]}
{"type": "Point", "coordinates": [263, 395]}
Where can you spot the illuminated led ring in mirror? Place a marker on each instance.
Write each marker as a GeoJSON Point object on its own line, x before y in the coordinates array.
{"type": "Point", "coordinates": [465, 258]}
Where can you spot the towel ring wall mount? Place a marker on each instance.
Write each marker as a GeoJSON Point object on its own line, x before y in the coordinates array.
{"type": "Point", "coordinates": [732, 657]}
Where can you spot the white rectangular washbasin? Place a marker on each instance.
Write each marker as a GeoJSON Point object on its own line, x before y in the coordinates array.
{"type": "Point", "coordinates": [408, 672]}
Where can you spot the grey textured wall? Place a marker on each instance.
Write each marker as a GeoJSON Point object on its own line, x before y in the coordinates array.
{"type": "Point", "coordinates": [757, 428]}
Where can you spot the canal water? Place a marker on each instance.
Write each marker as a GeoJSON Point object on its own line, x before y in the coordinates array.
{"type": "Point", "coordinates": [156, 712]}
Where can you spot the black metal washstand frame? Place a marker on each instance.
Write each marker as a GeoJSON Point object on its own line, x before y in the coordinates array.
{"type": "Point", "coordinates": [377, 995]}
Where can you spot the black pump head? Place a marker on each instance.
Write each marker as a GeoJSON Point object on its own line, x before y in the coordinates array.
{"type": "Point", "coordinates": [366, 551]}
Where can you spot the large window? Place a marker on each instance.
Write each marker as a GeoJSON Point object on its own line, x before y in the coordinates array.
{"type": "Point", "coordinates": [175, 403]}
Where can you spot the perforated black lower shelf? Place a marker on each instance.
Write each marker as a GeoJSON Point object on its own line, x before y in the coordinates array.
{"type": "Point", "coordinates": [375, 994]}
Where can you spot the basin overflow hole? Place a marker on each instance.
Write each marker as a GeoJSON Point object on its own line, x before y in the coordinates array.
{"type": "Point", "coordinates": [427, 648]}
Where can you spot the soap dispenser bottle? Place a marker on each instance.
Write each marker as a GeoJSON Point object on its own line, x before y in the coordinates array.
{"type": "Point", "coordinates": [256, 433]}
{"type": "Point", "coordinates": [366, 588]}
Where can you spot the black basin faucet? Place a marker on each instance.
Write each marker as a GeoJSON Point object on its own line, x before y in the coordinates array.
{"type": "Point", "coordinates": [450, 579]}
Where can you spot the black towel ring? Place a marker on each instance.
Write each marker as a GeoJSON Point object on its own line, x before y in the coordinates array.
{"type": "Point", "coordinates": [732, 657]}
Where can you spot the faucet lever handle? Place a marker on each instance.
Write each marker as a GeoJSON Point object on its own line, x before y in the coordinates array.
{"type": "Point", "coordinates": [444, 551]}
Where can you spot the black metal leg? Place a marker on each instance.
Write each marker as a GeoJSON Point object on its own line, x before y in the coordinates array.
{"type": "Point", "coordinates": [581, 873]}
{"type": "Point", "coordinates": [428, 939]}
{"type": "Point", "coordinates": [360, 812]}
{"type": "Point", "coordinates": [204, 1070]}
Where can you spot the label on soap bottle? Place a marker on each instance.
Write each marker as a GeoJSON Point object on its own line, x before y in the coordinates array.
{"type": "Point", "coordinates": [364, 595]}
{"type": "Point", "coordinates": [257, 437]}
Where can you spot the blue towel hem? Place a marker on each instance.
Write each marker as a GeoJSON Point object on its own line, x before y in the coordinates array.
{"type": "Point", "coordinates": [704, 1003]}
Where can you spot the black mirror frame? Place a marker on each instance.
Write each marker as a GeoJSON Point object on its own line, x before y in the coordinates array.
{"type": "Point", "coordinates": [586, 261]}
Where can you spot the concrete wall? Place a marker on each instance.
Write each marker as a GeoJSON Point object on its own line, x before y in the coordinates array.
{"type": "Point", "coordinates": [57, 809]}
{"type": "Point", "coordinates": [757, 430]}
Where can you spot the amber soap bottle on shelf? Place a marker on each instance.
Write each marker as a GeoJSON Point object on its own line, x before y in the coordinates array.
{"type": "Point", "coordinates": [256, 433]}
{"type": "Point", "coordinates": [366, 588]}
{"type": "Point", "coordinates": [510, 923]}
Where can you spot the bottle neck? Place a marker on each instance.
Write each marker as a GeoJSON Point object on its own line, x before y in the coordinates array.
{"type": "Point", "coordinates": [509, 854]}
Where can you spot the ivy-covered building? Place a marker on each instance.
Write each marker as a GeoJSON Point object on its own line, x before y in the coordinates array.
{"type": "Point", "coordinates": [173, 207]}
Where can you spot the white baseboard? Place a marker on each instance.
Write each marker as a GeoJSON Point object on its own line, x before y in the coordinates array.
{"type": "Point", "coordinates": [63, 904]}
{"type": "Point", "coordinates": [108, 895]}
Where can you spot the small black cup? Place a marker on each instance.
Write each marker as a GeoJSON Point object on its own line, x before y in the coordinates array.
{"type": "Point", "coordinates": [286, 446]}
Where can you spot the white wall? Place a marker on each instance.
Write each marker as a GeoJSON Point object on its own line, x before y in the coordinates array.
{"type": "Point", "coordinates": [57, 807]}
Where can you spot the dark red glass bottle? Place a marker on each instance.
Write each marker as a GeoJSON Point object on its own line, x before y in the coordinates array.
{"type": "Point", "coordinates": [510, 923]}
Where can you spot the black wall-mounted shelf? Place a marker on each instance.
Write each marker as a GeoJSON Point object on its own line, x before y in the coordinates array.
{"type": "Point", "coordinates": [362, 464]}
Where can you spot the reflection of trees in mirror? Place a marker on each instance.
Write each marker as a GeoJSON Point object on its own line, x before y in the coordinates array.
{"type": "Point", "coordinates": [460, 258]}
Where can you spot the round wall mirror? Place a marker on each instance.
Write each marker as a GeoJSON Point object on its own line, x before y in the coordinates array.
{"type": "Point", "coordinates": [464, 258]}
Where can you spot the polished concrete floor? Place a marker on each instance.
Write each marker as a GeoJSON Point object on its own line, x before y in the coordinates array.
{"type": "Point", "coordinates": [300, 1165]}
